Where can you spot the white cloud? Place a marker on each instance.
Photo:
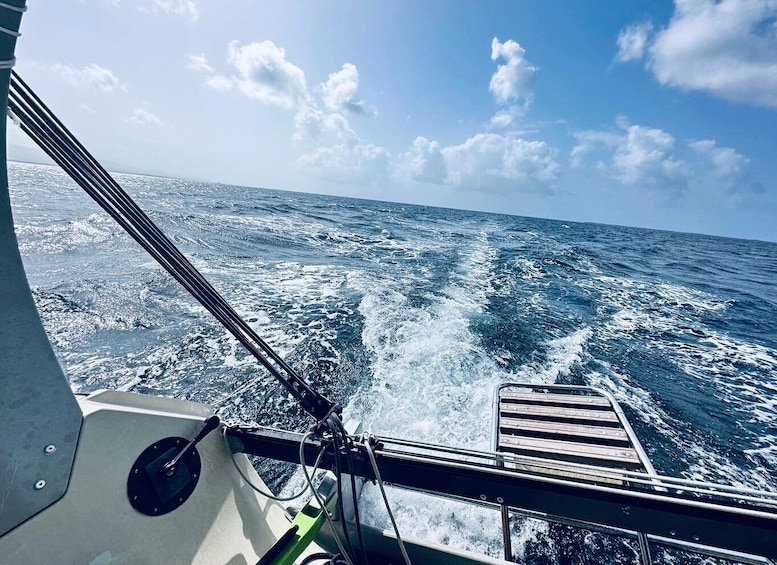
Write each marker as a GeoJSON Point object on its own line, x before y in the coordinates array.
{"type": "Point", "coordinates": [317, 127]}
{"type": "Point", "coordinates": [647, 159]}
{"type": "Point", "coordinates": [266, 75]}
{"type": "Point", "coordinates": [486, 161]}
{"type": "Point", "coordinates": [144, 118]}
{"type": "Point", "coordinates": [199, 63]}
{"type": "Point", "coordinates": [588, 141]}
{"type": "Point", "coordinates": [637, 156]}
{"type": "Point", "coordinates": [98, 77]}
{"type": "Point", "coordinates": [507, 116]}
{"type": "Point", "coordinates": [727, 48]}
{"type": "Point", "coordinates": [425, 161]}
{"type": "Point", "coordinates": [175, 7]}
{"type": "Point", "coordinates": [514, 80]}
{"type": "Point", "coordinates": [645, 156]}
{"type": "Point", "coordinates": [632, 42]}
{"type": "Point", "coordinates": [339, 91]}
{"type": "Point", "coordinates": [729, 169]}
{"type": "Point", "coordinates": [352, 163]}
{"type": "Point", "coordinates": [220, 83]}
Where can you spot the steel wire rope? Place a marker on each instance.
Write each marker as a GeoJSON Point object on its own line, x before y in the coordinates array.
{"type": "Point", "coordinates": [336, 446]}
{"type": "Point", "coordinates": [320, 501]}
{"type": "Point", "coordinates": [337, 429]}
{"type": "Point", "coordinates": [163, 243]}
{"type": "Point", "coordinates": [365, 440]}
{"type": "Point", "coordinates": [57, 141]}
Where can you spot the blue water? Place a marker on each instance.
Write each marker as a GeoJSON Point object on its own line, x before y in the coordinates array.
{"type": "Point", "coordinates": [409, 317]}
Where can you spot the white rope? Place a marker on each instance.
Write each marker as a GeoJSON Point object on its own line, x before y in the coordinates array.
{"type": "Point", "coordinates": [256, 488]}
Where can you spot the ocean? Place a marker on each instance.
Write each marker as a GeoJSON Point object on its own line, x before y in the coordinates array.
{"type": "Point", "coordinates": [409, 317]}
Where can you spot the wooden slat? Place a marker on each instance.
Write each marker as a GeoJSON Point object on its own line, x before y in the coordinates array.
{"type": "Point", "coordinates": [551, 398]}
{"type": "Point", "coordinates": [582, 452]}
{"type": "Point", "coordinates": [562, 429]}
{"type": "Point", "coordinates": [525, 465]}
{"type": "Point", "coordinates": [559, 413]}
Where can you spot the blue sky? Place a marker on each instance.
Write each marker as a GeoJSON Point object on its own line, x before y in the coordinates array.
{"type": "Point", "coordinates": [657, 114]}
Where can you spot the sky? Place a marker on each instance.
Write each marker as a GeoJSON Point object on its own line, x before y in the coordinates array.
{"type": "Point", "coordinates": [655, 114]}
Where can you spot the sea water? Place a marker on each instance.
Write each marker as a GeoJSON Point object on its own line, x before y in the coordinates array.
{"type": "Point", "coordinates": [409, 316]}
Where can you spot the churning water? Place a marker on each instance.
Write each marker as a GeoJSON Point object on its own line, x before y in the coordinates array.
{"type": "Point", "coordinates": [409, 317]}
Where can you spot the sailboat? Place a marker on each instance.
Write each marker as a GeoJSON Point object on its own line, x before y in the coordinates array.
{"type": "Point", "coordinates": [117, 477]}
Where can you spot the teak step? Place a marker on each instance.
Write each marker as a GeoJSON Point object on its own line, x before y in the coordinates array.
{"type": "Point", "coordinates": [575, 415]}
{"type": "Point", "coordinates": [571, 451]}
{"type": "Point", "coordinates": [557, 399]}
{"type": "Point", "coordinates": [559, 430]}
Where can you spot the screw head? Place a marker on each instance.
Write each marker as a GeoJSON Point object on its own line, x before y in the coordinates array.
{"type": "Point", "coordinates": [49, 449]}
{"type": "Point", "coordinates": [499, 499]}
{"type": "Point", "coordinates": [483, 497]}
{"type": "Point", "coordinates": [39, 484]}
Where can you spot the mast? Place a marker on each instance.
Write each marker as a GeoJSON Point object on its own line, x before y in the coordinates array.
{"type": "Point", "coordinates": [41, 419]}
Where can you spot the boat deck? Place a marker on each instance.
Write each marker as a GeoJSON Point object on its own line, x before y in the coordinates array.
{"type": "Point", "coordinates": [563, 423]}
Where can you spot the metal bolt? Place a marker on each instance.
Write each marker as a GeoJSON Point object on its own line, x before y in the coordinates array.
{"type": "Point", "coordinates": [672, 533]}
{"type": "Point", "coordinates": [499, 499]}
{"type": "Point", "coordinates": [50, 448]}
{"type": "Point", "coordinates": [39, 484]}
{"type": "Point", "coordinates": [483, 497]}
{"type": "Point", "coordinates": [696, 537]}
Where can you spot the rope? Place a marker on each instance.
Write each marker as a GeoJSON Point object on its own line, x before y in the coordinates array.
{"type": "Point", "coordinates": [320, 501]}
{"type": "Point", "coordinates": [366, 440]}
{"type": "Point", "coordinates": [56, 140]}
{"type": "Point", "coordinates": [256, 488]}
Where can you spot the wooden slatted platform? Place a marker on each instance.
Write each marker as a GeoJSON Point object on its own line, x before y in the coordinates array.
{"type": "Point", "coordinates": [565, 424]}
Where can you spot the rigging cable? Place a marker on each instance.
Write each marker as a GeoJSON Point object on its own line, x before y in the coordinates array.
{"type": "Point", "coordinates": [39, 122]}
{"type": "Point", "coordinates": [367, 439]}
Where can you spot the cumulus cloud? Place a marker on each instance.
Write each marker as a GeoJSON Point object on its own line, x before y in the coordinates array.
{"type": "Point", "coordinates": [339, 91]}
{"type": "Point", "coordinates": [425, 161]}
{"type": "Point", "coordinates": [144, 118]}
{"type": "Point", "coordinates": [344, 162]}
{"type": "Point", "coordinates": [632, 42]}
{"type": "Point", "coordinates": [314, 126]}
{"type": "Point", "coordinates": [588, 141]}
{"type": "Point", "coordinates": [650, 159]}
{"type": "Point", "coordinates": [727, 48]}
{"type": "Point", "coordinates": [645, 156]}
{"type": "Point", "coordinates": [486, 161]}
{"type": "Point", "coordinates": [186, 8]}
{"type": "Point", "coordinates": [199, 63]}
{"type": "Point", "coordinates": [514, 80]}
{"type": "Point", "coordinates": [264, 73]}
{"type": "Point", "coordinates": [730, 169]}
{"type": "Point", "coordinates": [96, 76]}
{"type": "Point", "coordinates": [636, 155]}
